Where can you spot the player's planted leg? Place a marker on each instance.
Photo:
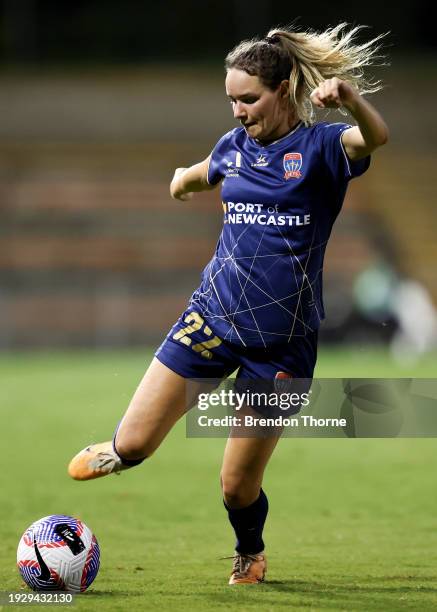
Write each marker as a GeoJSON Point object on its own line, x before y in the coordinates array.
{"type": "Point", "coordinates": [246, 503]}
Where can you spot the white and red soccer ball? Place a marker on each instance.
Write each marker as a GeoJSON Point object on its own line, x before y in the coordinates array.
{"type": "Point", "coordinates": [58, 553]}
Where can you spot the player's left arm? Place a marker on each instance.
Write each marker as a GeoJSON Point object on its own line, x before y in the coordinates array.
{"type": "Point", "coordinates": [371, 131]}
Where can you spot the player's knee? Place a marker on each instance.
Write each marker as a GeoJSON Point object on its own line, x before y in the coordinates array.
{"type": "Point", "coordinates": [238, 492]}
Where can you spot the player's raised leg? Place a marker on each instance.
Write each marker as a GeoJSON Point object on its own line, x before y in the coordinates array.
{"type": "Point", "coordinates": [161, 398]}
{"type": "Point", "coordinates": [242, 472]}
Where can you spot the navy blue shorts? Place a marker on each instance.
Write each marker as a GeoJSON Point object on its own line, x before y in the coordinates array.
{"type": "Point", "coordinates": [192, 350]}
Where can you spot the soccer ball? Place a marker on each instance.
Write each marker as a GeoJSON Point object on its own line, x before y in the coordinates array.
{"type": "Point", "coordinates": [58, 553]}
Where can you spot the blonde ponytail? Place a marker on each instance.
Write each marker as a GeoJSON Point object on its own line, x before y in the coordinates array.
{"type": "Point", "coordinates": [307, 58]}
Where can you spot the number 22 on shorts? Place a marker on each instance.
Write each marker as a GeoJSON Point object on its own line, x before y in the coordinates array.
{"type": "Point", "coordinates": [195, 322]}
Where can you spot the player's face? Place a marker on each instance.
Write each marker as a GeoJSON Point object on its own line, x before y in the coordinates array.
{"type": "Point", "coordinates": [265, 114]}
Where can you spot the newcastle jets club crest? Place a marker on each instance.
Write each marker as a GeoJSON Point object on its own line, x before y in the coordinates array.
{"type": "Point", "coordinates": [292, 165]}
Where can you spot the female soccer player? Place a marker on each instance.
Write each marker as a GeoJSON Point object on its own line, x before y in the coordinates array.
{"type": "Point", "coordinates": [283, 180]}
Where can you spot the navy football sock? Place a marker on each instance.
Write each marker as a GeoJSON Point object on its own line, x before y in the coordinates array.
{"type": "Point", "coordinates": [248, 524]}
{"type": "Point", "coordinates": [127, 462]}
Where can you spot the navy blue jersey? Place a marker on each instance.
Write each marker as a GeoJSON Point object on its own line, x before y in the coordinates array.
{"type": "Point", "coordinates": [264, 283]}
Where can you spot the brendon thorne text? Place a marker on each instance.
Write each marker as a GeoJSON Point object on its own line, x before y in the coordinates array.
{"type": "Point", "coordinates": [305, 420]}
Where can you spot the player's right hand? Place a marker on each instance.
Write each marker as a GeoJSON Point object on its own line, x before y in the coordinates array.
{"type": "Point", "coordinates": [176, 187]}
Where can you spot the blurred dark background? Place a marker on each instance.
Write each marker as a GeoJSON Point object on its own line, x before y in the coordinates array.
{"type": "Point", "coordinates": [47, 31]}
{"type": "Point", "coordinates": [100, 101]}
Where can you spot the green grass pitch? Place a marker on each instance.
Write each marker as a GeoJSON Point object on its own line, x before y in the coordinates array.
{"type": "Point", "coordinates": [352, 523]}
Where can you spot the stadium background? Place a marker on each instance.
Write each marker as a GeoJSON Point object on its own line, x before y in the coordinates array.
{"type": "Point", "coordinates": [100, 104]}
{"type": "Point", "coordinates": [100, 101]}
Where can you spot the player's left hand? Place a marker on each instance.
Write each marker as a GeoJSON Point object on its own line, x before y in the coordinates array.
{"type": "Point", "coordinates": [334, 93]}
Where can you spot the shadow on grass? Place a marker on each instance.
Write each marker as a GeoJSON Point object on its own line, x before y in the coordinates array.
{"type": "Point", "coordinates": [369, 593]}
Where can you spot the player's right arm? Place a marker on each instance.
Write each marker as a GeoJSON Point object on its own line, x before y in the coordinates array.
{"type": "Point", "coordinates": [188, 180]}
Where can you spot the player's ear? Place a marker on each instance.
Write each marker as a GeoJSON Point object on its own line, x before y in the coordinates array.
{"type": "Point", "coordinates": [284, 90]}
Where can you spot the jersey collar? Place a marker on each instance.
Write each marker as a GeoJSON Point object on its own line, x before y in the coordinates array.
{"type": "Point", "coordinates": [296, 127]}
